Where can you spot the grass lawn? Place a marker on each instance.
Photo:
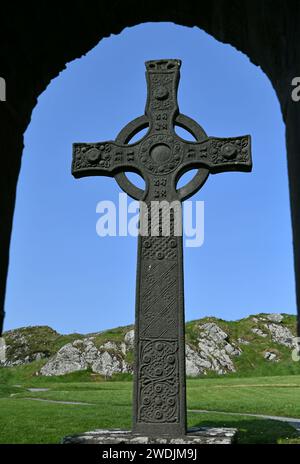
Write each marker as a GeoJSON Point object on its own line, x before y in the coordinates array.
{"type": "Point", "coordinates": [24, 420]}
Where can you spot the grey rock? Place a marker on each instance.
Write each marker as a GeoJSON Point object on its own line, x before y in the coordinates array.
{"type": "Point", "coordinates": [107, 364]}
{"type": "Point", "coordinates": [242, 341]}
{"type": "Point", "coordinates": [83, 354]}
{"type": "Point", "coordinates": [78, 343]}
{"type": "Point", "coordinates": [229, 348]}
{"type": "Point", "coordinates": [129, 338]}
{"type": "Point", "coordinates": [123, 347]}
{"type": "Point", "coordinates": [275, 317]}
{"type": "Point", "coordinates": [232, 350]}
{"type": "Point", "coordinates": [215, 349]}
{"type": "Point", "coordinates": [2, 351]}
{"type": "Point", "coordinates": [195, 364]}
{"type": "Point", "coordinates": [109, 346]}
{"type": "Point", "coordinates": [214, 331]}
{"type": "Point", "coordinates": [91, 354]}
{"type": "Point", "coordinates": [281, 334]}
{"type": "Point", "coordinates": [67, 359]}
{"type": "Point", "coordinates": [259, 332]}
{"type": "Point", "coordinates": [270, 356]}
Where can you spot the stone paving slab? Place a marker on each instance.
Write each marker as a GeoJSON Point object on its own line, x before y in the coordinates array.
{"type": "Point", "coordinates": [195, 436]}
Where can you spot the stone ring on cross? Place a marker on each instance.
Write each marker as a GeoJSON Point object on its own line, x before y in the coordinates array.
{"type": "Point", "coordinates": [142, 122]}
{"type": "Point", "coordinates": [160, 157]}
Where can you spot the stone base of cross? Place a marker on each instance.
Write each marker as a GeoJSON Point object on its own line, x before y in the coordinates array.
{"type": "Point", "coordinates": [194, 436]}
{"type": "Point", "coordinates": [160, 157]}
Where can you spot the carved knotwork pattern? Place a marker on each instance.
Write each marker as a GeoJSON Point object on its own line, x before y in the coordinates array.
{"type": "Point", "coordinates": [160, 248]}
{"type": "Point", "coordinates": [235, 149]}
{"type": "Point", "coordinates": [101, 155]}
{"type": "Point", "coordinates": [162, 97]}
{"type": "Point", "coordinates": [159, 299]}
{"type": "Point", "coordinates": [159, 380]}
{"type": "Point", "coordinates": [92, 155]}
{"type": "Point", "coordinates": [157, 246]}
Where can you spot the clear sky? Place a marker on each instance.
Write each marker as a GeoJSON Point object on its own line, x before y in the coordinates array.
{"type": "Point", "coordinates": [64, 275]}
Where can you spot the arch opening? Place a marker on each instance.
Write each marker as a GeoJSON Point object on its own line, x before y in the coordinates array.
{"type": "Point", "coordinates": [220, 114]}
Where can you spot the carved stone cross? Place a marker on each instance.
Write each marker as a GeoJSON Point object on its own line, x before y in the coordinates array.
{"type": "Point", "coordinates": [160, 157]}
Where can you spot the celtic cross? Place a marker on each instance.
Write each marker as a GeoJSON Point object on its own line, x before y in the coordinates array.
{"type": "Point", "coordinates": [160, 157]}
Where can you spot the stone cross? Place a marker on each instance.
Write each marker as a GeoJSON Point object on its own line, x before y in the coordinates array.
{"type": "Point", "coordinates": [160, 157]}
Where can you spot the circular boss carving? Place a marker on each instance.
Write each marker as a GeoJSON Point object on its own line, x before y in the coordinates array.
{"type": "Point", "coordinates": [161, 93]}
{"type": "Point", "coordinates": [93, 155]}
{"type": "Point", "coordinates": [161, 154]}
{"type": "Point", "coordinates": [229, 151]}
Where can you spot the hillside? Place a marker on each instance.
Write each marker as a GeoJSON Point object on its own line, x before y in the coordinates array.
{"type": "Point", "coordinates": [256, 345]}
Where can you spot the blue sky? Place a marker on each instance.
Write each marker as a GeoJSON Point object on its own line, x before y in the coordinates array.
{"type": "Point", "coordinates": [64, 275]}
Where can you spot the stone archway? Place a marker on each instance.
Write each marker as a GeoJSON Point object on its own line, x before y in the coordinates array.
{"type": "Point", "coordinates": [38, 40]}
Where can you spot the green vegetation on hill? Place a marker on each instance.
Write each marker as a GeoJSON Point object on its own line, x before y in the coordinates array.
{"type": "Point", "coordinates": [42, 342]}
{"type": "Point", "coordinates": [38, 339]}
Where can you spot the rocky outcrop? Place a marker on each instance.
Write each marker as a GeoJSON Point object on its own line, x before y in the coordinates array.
{"type": "Point", "coordinates": [106, 360]}
{"type": "Point", "coordinates": [28, 344]}
{"type": "Point", "coordinates": [275, 330]}
{"type": "Point", "coordinates": [195, 364]}
{"type": "Point", "coordinates": [68, 359]}
{"type": "Point", "coordinates": [281, 335]}
{"type": "Point", "coordinates": [275, 317]}
{"type": "Point", "coordinates": [129, 339]}
{"type": "Point", "coordinates": [215, 350]}
{"type": "Point", "coordinates": [2, 351]}
{"type": "Point", "coordinates": [211, 346]}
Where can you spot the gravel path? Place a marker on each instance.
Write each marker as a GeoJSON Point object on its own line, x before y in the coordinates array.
{"type": "Point", "coordinates": [58, 402]}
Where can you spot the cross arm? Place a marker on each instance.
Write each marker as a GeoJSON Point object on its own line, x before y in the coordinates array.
{"type": "Point", "coordinates": [219, 154]}
{"type": "Point", "coordinates": [103, 159]}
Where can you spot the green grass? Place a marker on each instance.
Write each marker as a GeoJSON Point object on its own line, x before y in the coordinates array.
{"type": "Point", "coordinates": [26, 421]}
{"type": "Point", "coordinates": [279, 395]}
